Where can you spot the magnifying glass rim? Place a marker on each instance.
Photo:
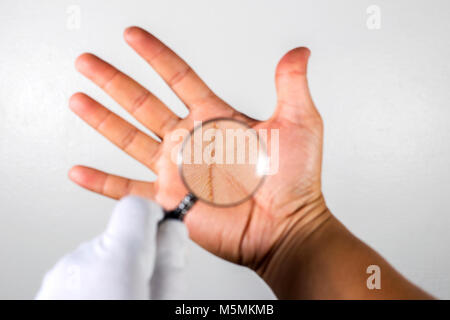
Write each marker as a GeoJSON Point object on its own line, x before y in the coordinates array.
{"type": "Point", "coordinates": [180, 164]}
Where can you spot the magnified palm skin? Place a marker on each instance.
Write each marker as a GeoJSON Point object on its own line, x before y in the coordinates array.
{"type": "Point", "coordinates": [222, 162]}
{"type": "Point", "coordinates": [288, 204]}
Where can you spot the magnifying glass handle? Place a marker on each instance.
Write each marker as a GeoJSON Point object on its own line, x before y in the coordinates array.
{"type": "Point", "coordinates": [183, 207]}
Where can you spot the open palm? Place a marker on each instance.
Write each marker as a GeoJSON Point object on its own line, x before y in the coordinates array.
{"type": "Point", "coordinates": [249, 233]}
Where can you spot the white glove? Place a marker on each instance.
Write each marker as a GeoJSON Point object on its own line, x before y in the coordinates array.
{"type": "Point", "coordinates": [120, 263]}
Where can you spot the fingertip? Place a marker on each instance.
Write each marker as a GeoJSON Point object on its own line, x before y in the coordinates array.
{"type": "Point", "coordinates": [75, 101]}
{"type": "Point", "coordinates": [87, 64]}
{"type": "Point", "coordinates": [87, 177]}
{"type": "Point", "coordinates": [298, 53]}
{"type": "Point", "coordinates": [84, 106]}
{"type": "Point", "coordinates": [82, 61]}
{"type": "Point", "coordinates": [142, 41]}
{"type": "Point", "coordinates": [305, 50]}
{"type": "Point", "coordinates": [294, 99]}
{"type": "Point", "coordinates": [132, 33]}
{"type": "Point", "coordinates": [294, 60]}
{"type": "Point", "coordinates": [82, 175]}
{"type": "Point", "coordinates": [75, 174]}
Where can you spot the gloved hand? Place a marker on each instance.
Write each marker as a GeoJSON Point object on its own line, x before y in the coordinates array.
{"type": "Point", "coordinates": [132, 259]}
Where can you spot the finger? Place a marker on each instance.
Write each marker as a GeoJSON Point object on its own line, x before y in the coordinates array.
{"type": "Point", "coordinates": [120, 132]}
{"type": "Point", "coordinates": [133, 226]}
{"type": "Point", "coordinates": [110, 185]}
{"type": "Point", "coordinates": [169, 276]}
{"type": "Point", "coordinates": [294, 99]}
{"type": "Point", "coordinates": [137, 100]}
{"type": "Point", "coordinates": [134, 222]}
{"type": "Point", "coordinates": [178, 74]}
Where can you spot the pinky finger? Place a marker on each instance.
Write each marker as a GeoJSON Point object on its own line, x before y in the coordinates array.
{"type": "Point", "coordinates": [110, 185]}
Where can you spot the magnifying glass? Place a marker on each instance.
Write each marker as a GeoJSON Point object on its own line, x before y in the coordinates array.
{"type": "Point", "coordinates": [222, 162]}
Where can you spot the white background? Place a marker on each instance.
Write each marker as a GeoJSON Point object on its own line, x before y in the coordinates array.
{"type": "Point", "coordinates": [384, 96]}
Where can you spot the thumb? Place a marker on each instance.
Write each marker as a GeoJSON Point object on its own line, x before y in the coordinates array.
{"type": "Point", "coordinates": [294, 100]}
{"type": "Point", "coordinates": [133, 222]}
{"type": "Point", "coordinates": [169, 280]}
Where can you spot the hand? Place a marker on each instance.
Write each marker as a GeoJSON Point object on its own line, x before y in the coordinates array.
{"type": "Point", "coordinates": [288, 205]}
{"type": "Point", "coordinates": [120, 263]}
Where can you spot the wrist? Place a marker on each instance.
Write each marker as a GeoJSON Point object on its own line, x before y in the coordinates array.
{"type": "Point", "coordinates": [281, 268]}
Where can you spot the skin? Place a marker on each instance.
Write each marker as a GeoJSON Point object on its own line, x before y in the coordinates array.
{"type": "Point", "coordinates": [285, 232]}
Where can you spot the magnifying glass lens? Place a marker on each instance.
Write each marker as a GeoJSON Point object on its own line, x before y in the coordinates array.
{"type": "Point", "coordinates": [223, 162]}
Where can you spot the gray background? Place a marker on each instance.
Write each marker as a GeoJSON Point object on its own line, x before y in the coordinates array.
{"type": "Point", "coordinates": [383, 95]}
